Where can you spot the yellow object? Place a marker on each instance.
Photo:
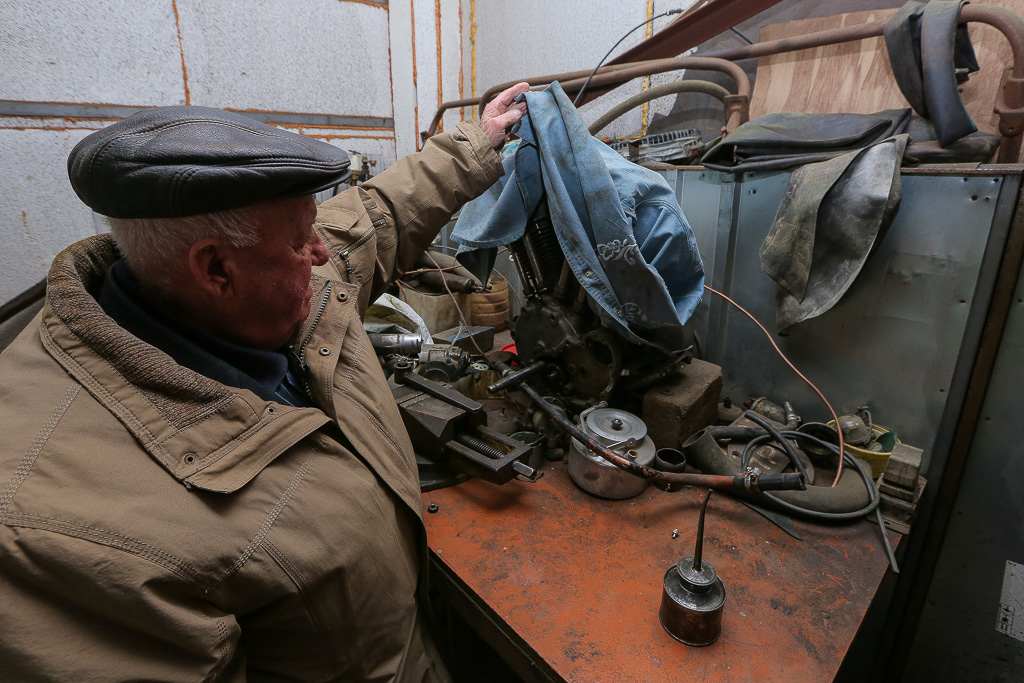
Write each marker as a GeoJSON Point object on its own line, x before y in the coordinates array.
{"type": "Point", "coordinates": [877, 459]}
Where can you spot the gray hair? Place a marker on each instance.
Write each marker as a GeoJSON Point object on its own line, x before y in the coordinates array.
{"type": "Point", "coordinates": [155, 247]}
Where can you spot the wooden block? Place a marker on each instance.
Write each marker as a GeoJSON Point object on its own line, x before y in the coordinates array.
{"type": "Point", "coordinates": [682, 404]}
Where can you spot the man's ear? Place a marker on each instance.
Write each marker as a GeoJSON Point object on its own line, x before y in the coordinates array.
{"type": "Point", "coordinates": [212, 264]}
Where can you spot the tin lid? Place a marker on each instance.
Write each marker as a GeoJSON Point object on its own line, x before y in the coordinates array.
{"type": "Point", "coordinates": [613, 426]}
{"type": "Point", "coordinates": [697, 580]}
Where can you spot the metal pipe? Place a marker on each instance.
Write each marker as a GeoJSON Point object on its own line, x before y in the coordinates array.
{"type": "Point", "coordinates": [667, 481]}
{"type": "Point", "coordinates": [489, 95]}
{"type": "Point", "coordinates": [698, 546]}
{"type": "Point", "coordinates": [705, 87]}
{"type": "Point", "coordinates": [620, 73]}
{"type": "Point", "coordinates": [515, 377]}
{"type": "Point", "coordinates": [563, 281]}
{"type": "Point", "coordinates": [1009, 105]}
{"type": "Point", "coordinates": [23, 301]}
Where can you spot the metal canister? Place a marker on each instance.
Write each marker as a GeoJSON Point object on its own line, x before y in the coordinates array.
{"type": "Point", "coordinates": [692, 603]}
{"type": "Point", "coordinates": [693, 596]}
{"type": "Point", "coordinates": [626, 435]}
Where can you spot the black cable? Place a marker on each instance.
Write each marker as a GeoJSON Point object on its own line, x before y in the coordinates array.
{"type": "Point", "coordinates": [815, 514]}
{"type": "Point", "coordinates": [643, 23]}
{"type": "Point", "coordinates": [748, 41]}
{"type": "Point", "coordinates": [786, 445]}
{"type": "Point", "coordinates": [872, 506]}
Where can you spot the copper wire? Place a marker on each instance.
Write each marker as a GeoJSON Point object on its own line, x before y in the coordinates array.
{"type": "Point", "coordinates": [839, 431]}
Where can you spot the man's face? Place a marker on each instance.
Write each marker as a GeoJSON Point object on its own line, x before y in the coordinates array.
{"type": "Point", "coordinates": [272, 282]}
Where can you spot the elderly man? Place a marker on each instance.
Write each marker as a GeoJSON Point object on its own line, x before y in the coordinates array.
{"type": "Point", "coordinates": [203, 475]}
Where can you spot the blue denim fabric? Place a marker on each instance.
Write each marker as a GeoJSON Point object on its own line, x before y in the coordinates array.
{"type": "Point", "coordinates": [619, 224]}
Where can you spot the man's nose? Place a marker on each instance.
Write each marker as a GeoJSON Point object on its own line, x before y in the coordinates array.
{"type": "Point", "coordinates": [319, 251]}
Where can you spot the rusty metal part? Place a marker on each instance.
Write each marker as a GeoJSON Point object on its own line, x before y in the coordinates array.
{"type": "Point", "coordinates": [579, 599]}
{"type": "Point", "coordinates": [516, 377]}
{"type": "Point", "coordinates": [1009, 105]}
{"type": "Point", "coordinates": [693, 595]}
{"type": "Point", "coordinates": [667, 481]}
{"type": "Point", "coordinates": [674, 88]}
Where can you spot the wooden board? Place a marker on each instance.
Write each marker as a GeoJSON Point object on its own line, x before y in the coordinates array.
{"type": "Point", "coordinates": [856, 77]}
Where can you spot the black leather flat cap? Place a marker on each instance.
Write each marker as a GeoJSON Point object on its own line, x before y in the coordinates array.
{"type": "Point", "coordinates": [183, 160]}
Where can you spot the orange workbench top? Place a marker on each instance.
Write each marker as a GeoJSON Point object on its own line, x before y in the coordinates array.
{"type": "Point", "coordinates": [578, 579]}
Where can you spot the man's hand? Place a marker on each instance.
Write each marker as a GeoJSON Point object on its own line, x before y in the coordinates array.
{"type": "Point", "coordinates": [501, 113]}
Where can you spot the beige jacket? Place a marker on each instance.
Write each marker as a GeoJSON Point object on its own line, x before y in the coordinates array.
{"type": "Point", "coordinates": [158, 525]}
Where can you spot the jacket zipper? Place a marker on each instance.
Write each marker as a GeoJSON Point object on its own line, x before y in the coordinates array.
{"type": "Point", "coordinates": [300, 353]}
{"type": "Point", "coordinates": [343, 254]}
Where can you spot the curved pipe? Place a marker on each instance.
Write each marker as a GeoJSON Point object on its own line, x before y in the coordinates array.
{"type": "Point", "coordinates": [617, 74]}
{"type": "Point", "coordinates": [482, 101]}
{"type": "Point", "coordinates": [705, 87]}
{"type": "Point", "coordinates": [1009, 104]}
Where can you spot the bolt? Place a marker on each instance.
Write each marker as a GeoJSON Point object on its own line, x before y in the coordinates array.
{"type": "Point", "coordinates": [616, 424]}
{"type": "Point", "coordinates": [727, 402]}
{"type": "Point", "coordinates": [675, 533]}
{"type": "Point", "coordinates": [432, 508]}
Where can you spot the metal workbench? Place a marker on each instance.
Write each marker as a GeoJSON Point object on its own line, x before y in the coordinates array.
{"type": "Point", "coordinates": [566, 587]}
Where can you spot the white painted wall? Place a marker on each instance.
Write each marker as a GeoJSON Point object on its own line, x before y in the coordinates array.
{"type": "Point", "coordinates": [535, 37]}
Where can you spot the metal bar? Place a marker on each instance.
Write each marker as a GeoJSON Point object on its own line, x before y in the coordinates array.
{"type": "Point", "coordinates": [482, 101]}
{"type": "Point", "coordinates": [516, 377]}
{"type": "Point", "coordinates": [62, 110]}
{"type": "Point", "coordinates": [23, 301]}
{"type": "Point", "coordinates": [404, 375]}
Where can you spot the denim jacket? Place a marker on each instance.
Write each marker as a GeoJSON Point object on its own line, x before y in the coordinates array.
{"type": "Point", "coordinates": [618, 224]}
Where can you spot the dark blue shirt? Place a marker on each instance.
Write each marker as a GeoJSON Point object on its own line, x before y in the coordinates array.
{"type": "Point", "coordinates": [268, 374]}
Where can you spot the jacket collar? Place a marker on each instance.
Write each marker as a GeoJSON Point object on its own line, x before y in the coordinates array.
{"type": "Point", "coordinates": [204, 433]}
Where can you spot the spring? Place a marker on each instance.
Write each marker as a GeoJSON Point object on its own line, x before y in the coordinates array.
{"type": "Point", "coordinates": [480, 446]}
